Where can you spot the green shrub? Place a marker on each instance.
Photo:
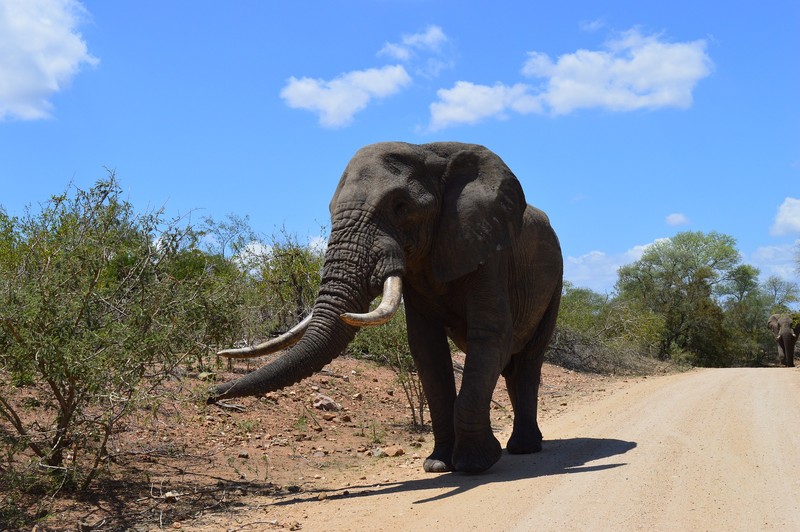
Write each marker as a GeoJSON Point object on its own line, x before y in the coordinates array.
{"type": "Point", "coordinates": [97, 305]}
{"type": "Point", "coordinates": [388, 345]}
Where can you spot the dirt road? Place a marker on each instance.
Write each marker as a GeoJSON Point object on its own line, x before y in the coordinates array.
{"type": "Point", "coordinates": [704, 450]}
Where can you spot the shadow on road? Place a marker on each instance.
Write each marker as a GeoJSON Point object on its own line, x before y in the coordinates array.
{"type": "Point", "coordinates": [558, 457]}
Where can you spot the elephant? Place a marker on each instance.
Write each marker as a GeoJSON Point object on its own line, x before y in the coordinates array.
{"type": "Point", "coordinates": [785, 336]}
{"type": "Point", "coordinates": [445, 229]}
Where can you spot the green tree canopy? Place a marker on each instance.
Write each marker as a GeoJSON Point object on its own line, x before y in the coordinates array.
{"type": "Point", "coordinates": [677, 278]}
{"type": "Point", "coordinates": [96, 302]}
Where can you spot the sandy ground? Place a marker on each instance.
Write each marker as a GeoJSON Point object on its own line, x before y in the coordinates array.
{"type": "Point", "coordinates": [712, 449]}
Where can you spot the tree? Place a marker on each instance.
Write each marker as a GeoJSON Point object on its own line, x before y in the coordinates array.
{"type": "Point", "coordinates": [596, 332]}
{"type": "Point", "coordinates": [97, 305]}
{"type": "Point", "coordinates": [676, 279]}
{"type": "Point", "coordinates": [780, 293]}
{"type": "Point", "coordinates": [287, 277]}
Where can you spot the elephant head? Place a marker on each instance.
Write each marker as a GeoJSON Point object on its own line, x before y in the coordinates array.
{"type": "Point", "coordinates": [785, 336]}
{"type": "Point", "coordinates": [427, 214]}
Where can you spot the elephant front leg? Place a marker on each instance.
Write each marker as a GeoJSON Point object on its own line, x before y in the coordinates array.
{"type": "Point", "coordinates": [781, 352]}
{"type": "Point", "coordinates": [489, 338]}
{"type": "Point", "coordinates": [428, 344]}
{"type": "Point", "coordinates": [476, 448]}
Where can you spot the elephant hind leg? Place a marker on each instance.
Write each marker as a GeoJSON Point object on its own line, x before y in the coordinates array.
{"type": "Point", "coordinates": [523, 376]}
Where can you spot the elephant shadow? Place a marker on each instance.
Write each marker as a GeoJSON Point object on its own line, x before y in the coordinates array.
{"type": "Point", "coordinates": [558, 457]}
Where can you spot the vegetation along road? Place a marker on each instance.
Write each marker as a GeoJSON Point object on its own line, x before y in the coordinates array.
{"type": "Point", "coordinates": [710, 449]}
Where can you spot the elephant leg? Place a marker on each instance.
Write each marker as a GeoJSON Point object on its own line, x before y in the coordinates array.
{"type": "Point", "coordinates": [428, 344]}
{"type": "Point", "coordinates": [781, 353]}
{"type": "Point", "coordinates": [488, 338]}
{"type": "Point", "coordinates": [476, 448]}
{"type": "Point", "coordinates": [523, 376]}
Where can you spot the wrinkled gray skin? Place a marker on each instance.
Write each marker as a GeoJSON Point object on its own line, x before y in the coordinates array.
{"type": "Point", "coordinates": [477, 264]}
{"type": "Point", "coordinates": [785, 337]}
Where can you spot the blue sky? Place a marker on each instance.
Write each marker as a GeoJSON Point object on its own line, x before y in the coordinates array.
{"type": "Point", "coordinates": [625, 121]}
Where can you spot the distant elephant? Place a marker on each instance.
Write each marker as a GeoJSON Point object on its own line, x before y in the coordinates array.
{"type": "Point", "coordinates": [785, 336]}
{"type": "Point", "coordinates": [445, 226]}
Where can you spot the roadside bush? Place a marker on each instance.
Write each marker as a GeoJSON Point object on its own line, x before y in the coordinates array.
{"type": "Point", "coordinates": [98, 304]}
{"type": "Point", "coordinates": [388, 345]}
{"type": "Point", "coordinates": [279, 282]}
{"type": "Point", "coordinates": [600, 334]}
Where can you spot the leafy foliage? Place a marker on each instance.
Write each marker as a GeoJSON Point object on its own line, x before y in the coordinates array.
{"type": "Point", "coordinates": [93, 299]}
{"type": "Point", "coordinates": [99, 304]}
{"type": "Point", "coordinates": [602, 334]}
{"type": "Point", "coordinates": [388, 345]}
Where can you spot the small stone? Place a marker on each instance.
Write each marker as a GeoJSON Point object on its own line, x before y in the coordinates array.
{"type": "Point", "coordinates": [323, 402]}
{"type": "Point", "coordinates": [394, 450]}
{"type": "Point", "coordinates": [244, 454]}
{"type": "Point", "coordinates": [358, 396]}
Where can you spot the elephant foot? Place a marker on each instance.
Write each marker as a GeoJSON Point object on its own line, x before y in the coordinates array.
{"type": "Point", "coordinates": [524, 444]}
{"type": "Point", "coordinates": [440, 460]}
{"type": "Point", "coordinates": [431, 465]}
{"type": "Point", "coordinates": [476, 455]}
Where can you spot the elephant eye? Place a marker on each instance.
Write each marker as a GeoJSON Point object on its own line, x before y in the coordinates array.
{"type": "Point", "coordinates": [400, 209]}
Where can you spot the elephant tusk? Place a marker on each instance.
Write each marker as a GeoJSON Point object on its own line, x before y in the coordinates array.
{"type": "Point", "coordinates": [392, 294]}
{"type": "Point", "coordinates": [287, 339]}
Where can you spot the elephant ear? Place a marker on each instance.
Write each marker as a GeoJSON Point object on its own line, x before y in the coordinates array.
{"type": "Point", "coordinates": [772, 323]}
{"type": "Point", "coordinates": [482, 209]}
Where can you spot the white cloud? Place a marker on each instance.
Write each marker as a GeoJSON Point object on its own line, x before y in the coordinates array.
{"type": "Point", "coordinates": [787, 221]}
{"type": "Point", "coordinates": [775, 260]}
{"type": "Point", "coordinates": [597, 270]}
{"type": "Point", "coordinates": [424, 50]}
{"type": "Point", "coordinates": [338, 100]}
{"type": "Point", "coordinates": [632, 72]}
{"type": "Point", "coordinates": [429, 40]}
{"type": "Point", "coordinates": [592, 25]}
{"type": "Point", "coordinates": [318, 243]}
{"type": "Point", "coordinates": [468, 103]}
{"type": "Point", "coordinates": [42, 52]}
{"type": "Point", "coordinates": [677, 218]}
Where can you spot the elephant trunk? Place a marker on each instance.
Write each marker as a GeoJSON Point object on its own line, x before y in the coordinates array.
{"type": "Point", "coordinates": [326, 337]}
{"type": "Point", "coordinates": [351, 279]}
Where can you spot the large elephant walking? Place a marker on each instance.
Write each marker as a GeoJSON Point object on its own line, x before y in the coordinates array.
{"type": "Point", "coordinates": [446, 226]}
{"type": "Point", "coordinates": [785, 336]}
